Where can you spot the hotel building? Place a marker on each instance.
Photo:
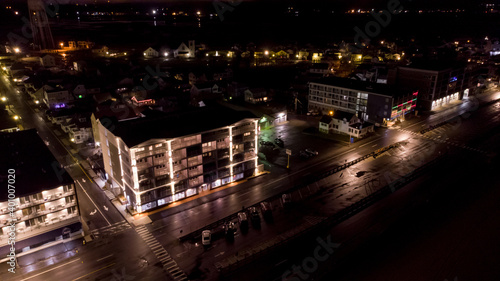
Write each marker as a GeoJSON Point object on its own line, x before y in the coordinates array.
{"type": "Point", "coordinates": [162, 158]}
{"type": "Point", "coordinates": [371, 102]}
{"type": "Point", "coordinates": [46, 204]}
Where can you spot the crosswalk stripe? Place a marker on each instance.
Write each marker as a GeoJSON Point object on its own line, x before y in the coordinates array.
{"type": "Point", "coordinates": [175, 270]}
{"type": "Point", "coordinates": [175, 265]}
{"type": "Point", "coordinates": [177, 273]}
{"type": "Point", "coordinates": [171, 262]}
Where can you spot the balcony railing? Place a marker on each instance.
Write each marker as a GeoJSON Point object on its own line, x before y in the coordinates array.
{"type": "Point", "coordinates": [221, 145]}
{"type": "Point", "coordinates": [49, 210]}
{"type": "Point", "coordinates": [249, 155]}
{"type": "Point", "coordinates": [53, 197]}
{"type": "Point", "coordinates": [193, 173]}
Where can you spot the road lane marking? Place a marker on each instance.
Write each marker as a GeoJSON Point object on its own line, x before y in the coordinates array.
{"type": "Point", "coordinates": [49, 270]}
{"type": "Point", "coordinates": [94, 271]}
{"type": "Point", "coordinates": [93, 202]}
{"type": "Point", "coordinates": [104, 257]}
{"type": "Point", "coordinates": [369, 142]}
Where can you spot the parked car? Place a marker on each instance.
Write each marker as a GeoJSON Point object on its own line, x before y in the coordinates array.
{"type": "Point", "coordinates": [254, 216]}
{"type": "Point", "coordinates": [230, 229]}
{"type": "Point", "coordinates": [206, 237]}
{"type": "Point", "coordinates": [243, 220]}
{"type": "Point", "coordinates": [286, 198]}
{"type": "Point", "coordinates": [267, 212]}
{"type": "Point", "coordinates": [279, 142]}
{"type": "Point", "coordinates": [311, 151]}
{"type": "Point", "coordinates": [266, 143]}
{"type": "Point", "coordinates": [304, 154]}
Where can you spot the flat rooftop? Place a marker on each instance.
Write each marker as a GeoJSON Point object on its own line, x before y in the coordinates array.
{"type": "Point", "coordinates": [161, 125]}
{"type": "Point", "coordinates": [363, 86]}
{"type": "Point", "coordinates": [35, 167]}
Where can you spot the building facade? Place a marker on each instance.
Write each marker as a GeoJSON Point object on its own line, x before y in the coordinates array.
{"type": "Point", "coordinates": [46, 204]}
{"type": "Point", "coordinates": [56, 97]}
{"type": "Point", "coordinates": [162, 159]}
{"type": "Point", "coordinates": [438, 83]}
{"type": "Point", "coordinates": [368, 101]}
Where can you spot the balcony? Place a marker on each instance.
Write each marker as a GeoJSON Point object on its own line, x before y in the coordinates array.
{"type": "Point", "coordinates": [221, 145]}
{"type": "Point", "coordinates": [49, 198]}
{"type": "Point", "coordinates": [249, 138]}
{"type": "Point", "coordinates": [50, 210]}
{"type": "Point", "coordinates": [195, 161]}
{"type": "Point", "coordinates": [238, 150]}
{"type": "Point", "coordinates": [249, 155]}
{"type": "Point", "coordinates": [179, 167]}
{"type": "Point", "coordinates": [178, 154]}
{"type": "Point", "coordinates": [181, 144]}
{"type": "Point", "coordinates": [195, 172]}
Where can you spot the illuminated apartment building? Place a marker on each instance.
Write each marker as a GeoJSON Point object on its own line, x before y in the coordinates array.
{"type": "Point", "coordinates": [162, 158]}
{"type": "Point", "coordinates": [46, 202]}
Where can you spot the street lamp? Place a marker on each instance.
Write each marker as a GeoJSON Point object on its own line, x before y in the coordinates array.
{"type": "Point", "coordinates": [4, 98]}
{"type": "Point", "coordinates": [17, 50]}
{"type": "Point", "coordinates": [16, 117]}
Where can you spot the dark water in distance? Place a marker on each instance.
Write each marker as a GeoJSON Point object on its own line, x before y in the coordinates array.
{"type": "Point", "coordinates": [263, 24]}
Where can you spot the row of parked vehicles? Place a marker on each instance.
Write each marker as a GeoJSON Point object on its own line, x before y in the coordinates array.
{"type": "Point", "coordinates": [244, 219]}
{"type": "Point", "coordinates": [308, 152]}
{"type": "Point", "coordinates": [279, 142]}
